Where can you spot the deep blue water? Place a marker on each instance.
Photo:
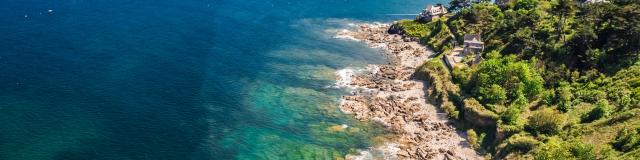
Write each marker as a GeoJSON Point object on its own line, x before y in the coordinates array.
{"type": "Point", "coordinates": [189, 79]}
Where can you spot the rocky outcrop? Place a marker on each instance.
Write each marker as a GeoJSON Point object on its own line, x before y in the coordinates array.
{"type": "Point", "coordinates": [390, 96]}
{"type": "Point", "coordinates": [395, 28]}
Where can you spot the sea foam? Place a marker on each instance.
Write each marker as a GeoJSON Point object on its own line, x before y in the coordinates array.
{"type": "Point", "coordinates": [386, 151]}
{"type": "Point", "coordinates": [345, 76]}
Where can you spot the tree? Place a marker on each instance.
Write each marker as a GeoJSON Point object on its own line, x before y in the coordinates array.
{"type": "Point", "coordinates": [455, 5]}
{"type": "Point", "coordinates": [506, 76]}
{"type": "Point", "coordinates": [492, 95]}
{"type": "Point", "coordinates": [562, 8]}
{"type": "Point", "coordinates": [526, 4]}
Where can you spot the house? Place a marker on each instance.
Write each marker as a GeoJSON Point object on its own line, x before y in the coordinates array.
{"type": "Point", "coordinates": [503, 3]}
{"type": "Point", "coordinates": [473, 44]}
{"type": "Point", "coordinates": [595, 1]}
{"type": "Point", "coordinates": [469, 54]}
{"type": "Point", "coordinates": [432, 12]}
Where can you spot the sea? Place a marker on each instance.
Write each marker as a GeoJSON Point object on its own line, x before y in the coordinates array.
{"type": "Point", "coordinates": [185, 79]}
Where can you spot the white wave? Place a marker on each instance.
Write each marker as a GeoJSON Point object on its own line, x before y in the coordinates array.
{"type": "Point", "coordinates": [345, 77]}
{"type": "Point", "coordinates": [386, 151]}
{"type": "Point", "coordinates": [347, 27]}
{"type": "Point", "coordinates": [372, 68]}
{"type": "Point", "coordinates": [347, 37]}
{"type": "Point", "coordinates": [342, 34]}
{"type": "Point", "coordinates": [378, 45]}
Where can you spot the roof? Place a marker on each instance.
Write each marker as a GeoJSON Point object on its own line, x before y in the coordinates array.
{"type": "Point", "coordinates": [596, 1]}
{"type": "Point", "coordinates": [433, 10]}
{"type": "Point", "coordinates": [472, 37]}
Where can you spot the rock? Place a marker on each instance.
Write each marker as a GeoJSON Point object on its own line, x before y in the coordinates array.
{"type": "Point", "coordinates": [395, 29]}
{"type": "Point", "coordinates": [387, 96]}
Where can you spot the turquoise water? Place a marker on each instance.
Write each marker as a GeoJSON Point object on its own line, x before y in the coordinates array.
{"type": "Point", "coordinates": [190, 79]}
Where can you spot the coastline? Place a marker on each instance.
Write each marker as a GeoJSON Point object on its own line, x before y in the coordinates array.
{"type": "Point", "coordinates": [389, 94]}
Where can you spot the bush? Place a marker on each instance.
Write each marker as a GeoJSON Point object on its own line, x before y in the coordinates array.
{"type": "Point", "coordinates": [505, 79]}
{"type": "Point", "coordinates": [548, 97]}
{"type": "Point", "coordinates": [582, 151]}
{"type": "Point", "coordinates": [476, 114]}
{"type": "Point", "coordinates": [462, 76]}
{"type": "Point", "coordinates": [435, 34]}
{"type": "Point", "coordinates": [414, 28]}
{"type": "Point", "coordinates": [555, 148]}
{"type": "Point", "coordinates": [511, 115]}
{"type": "Point", "coordinates": [565, 96]}
{"type": "Point", "coordinates": [521, 143]}
{"type": "Point", "coordinates": [624, 116]}
{"type": "Point", "coordinates": [602, 109]}
{"type": "Point", "coordinates": [492, 95]}
{"type": "Point", "coordinates": [547, 121]}
{"type": "Point", "coordinates": [627, 140]}
{"type": "Point", "coordinates": [510, 129]}
{"type": "Point", "coordinates": [552, 149]}
{"type": "Point", "coordinates": [450, 109]}
{"type": "Point", "coordinates": [472, 136]}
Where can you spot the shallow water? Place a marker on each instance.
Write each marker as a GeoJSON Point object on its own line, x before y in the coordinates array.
{"type": "Point", "coordinates": [191, 79]}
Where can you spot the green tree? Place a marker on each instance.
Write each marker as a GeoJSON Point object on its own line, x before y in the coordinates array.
{"type": "Point", "coordinates": [563, 9]}
{"type": "Point", "coordinates": [455, 5]}
{"type": "Point", "coordinates": [565, 95]}
{"type": "Point", "coordinates": [494, 94]}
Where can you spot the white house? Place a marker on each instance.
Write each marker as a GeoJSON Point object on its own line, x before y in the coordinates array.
{"type": "Point", "coordinates": [432, 12]}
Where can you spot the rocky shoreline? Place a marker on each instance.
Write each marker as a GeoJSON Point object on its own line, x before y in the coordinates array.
{"type": "Point", "coordinates": [390, 94]}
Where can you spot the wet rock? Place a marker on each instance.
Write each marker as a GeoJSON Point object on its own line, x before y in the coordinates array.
{"type": "Point", "coordinates": [396, 101]}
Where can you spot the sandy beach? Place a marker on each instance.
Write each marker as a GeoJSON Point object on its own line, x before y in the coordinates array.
{"type": "Point", "coordinates": [389, 94]}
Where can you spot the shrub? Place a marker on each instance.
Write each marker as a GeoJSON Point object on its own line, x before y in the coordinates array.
{"type": "Point", "coordinates": [476, 114]}
{"type": "Point", "coordinates": [492, 95]}
{"type": "Point", "coordinates": [414, 28]}
{"type": "Point", "coordinates": [450, 109]}
{"type": "Point", "coordinates": [548, 97]}
{"type": "Point", "coordinates": [547, 121]}
{"type": "Point", "coordinates": [627, 140]}
{"type": "Point", "coordinates": [510, 129]}
{"type": "Point", "coordinates": [555, 148]}
{"type": "Point", "coordinates": [472, 136]}
{"type": "Point", "coordinates": [521, 143]}
{"type": "Point", "coordinates": [565, 96]}
{"type": "Point", "coordinates": [552, 149]}
{"type": "Point", "coordinates": [602, 109]}
{"type": "Point", "coordinates": [505, 79]}
{"type": "Point", "coordinates": [623, 116]}
{"type": "Point", "coordinates": [437, 76]}
{"type": "Point", "coordinates": [582, 151]}
{"type": "Point", "coordinates": [462, 76]}
{"type": "Point", "coordinates": [511, 115]}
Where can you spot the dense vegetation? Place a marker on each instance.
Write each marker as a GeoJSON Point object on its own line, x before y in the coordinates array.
{"type": "Point", "coordinates": [560, 78]}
